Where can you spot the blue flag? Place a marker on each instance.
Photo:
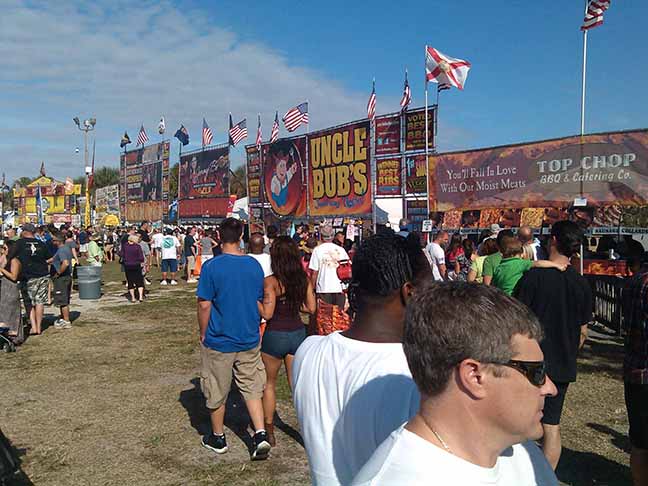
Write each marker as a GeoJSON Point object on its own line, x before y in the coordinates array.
{"type": "Point", "coordinates": [182, 134]}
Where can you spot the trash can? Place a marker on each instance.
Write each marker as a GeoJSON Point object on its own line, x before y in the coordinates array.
{"type": "Point", "coordinates": [89, 280]}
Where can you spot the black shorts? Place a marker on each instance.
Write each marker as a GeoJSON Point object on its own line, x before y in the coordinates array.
{"type": "Point", "coordinates": [636, 398]}
{"type": "Point", "coordinates": [62, 289]}
{"type": "Point", "coordinates": [553, 405]}
{"type": "Point", "coordinates": [282, 343]}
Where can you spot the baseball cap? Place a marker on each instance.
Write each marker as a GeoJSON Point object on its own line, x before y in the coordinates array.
{"type": "Point", "coordinates": [495, 228]}
{"type": "Point", "coordinates": [327, 232]}
{"type": "Point", "coordinates": [30, 228]}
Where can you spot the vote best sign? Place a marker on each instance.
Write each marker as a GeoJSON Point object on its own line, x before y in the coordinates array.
{"type": "Point", "coordinates": [606, 168]}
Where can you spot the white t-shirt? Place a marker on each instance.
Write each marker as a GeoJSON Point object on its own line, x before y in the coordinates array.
{"type": "Point", "coordinates": [265, 262]}
{"type": "Point", "coordinates": [324, 260]}
{"type": "Point", "coordinates": [437, 255]}
{"type": "Point", "coordinates": [169, 247]}
{"type": "Point", "coordinates": [406, 458]}
{"type": "Point", "coordinates": [157, 240]}
{"type": "Point", "coordinates": [349, 396]}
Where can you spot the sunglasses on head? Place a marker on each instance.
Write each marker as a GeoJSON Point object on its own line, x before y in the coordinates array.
{"type": "Point", "coordinates": [534, 371]}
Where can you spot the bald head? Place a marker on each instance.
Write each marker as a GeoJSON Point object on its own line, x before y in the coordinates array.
{"type": "Point", "coordinates": [525, 234]}
{"type": "Point", "coordinates": [256, 243]}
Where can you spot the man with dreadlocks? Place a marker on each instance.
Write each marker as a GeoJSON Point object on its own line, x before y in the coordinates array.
{"type": "Point", "coordinates": [353, 389]}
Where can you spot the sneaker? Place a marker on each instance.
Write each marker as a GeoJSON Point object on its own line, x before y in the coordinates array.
{"type": "Point", "coordinates": [147, 281]}
{"type": "Point", "coordinates": [216, 443]}
{"type": "Point", "coordinates": [57, 322]}
{"type": "Point", "coordinates": [261, 446]}
{"type": "Point", "coordinates": [173, 282]}
{"type": "Point", "coordinates": [62, 324]}
{"type": "Point", "coordinates": [163, 282]}
{"type": "Point", "coordinates": [192, 280]}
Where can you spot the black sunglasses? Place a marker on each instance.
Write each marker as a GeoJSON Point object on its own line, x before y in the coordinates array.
{"type": "Point", "coordinates": [534, 371]}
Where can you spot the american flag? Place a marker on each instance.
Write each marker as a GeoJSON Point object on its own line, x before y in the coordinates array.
{"type": "Point", "coordinates": [259, 139]}
{"type": "Point", "coordinates": [274, 134]}
{"type": "Point", "coordinates": [594, 14]}
{"type": "Point", "coordinates": [371, 104]}
{"type": "Point", "coordinates": [207, 135]}
{"type": "Point", "coordinates": [142, 137]}
{"type": "Point", "coordinates": [238, 132]}
{"type": "Point", "coordinates": [296, 116]}
{"type": "Point", "coordinates": [407, 95]}
{"type": "Point", "coordinates": [443, 87]}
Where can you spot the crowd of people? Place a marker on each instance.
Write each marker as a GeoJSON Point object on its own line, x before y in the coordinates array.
{"type": "Point", "coordinates": [457, 361]}
{"type": "Point", "coordinates": [458, 358]}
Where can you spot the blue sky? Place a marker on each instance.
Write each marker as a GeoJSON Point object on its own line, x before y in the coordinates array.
{"type": "Point", "coordinates": [187, 59]}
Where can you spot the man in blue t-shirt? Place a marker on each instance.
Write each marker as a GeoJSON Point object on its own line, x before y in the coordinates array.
{"type": "Point", "coordinates": [231, 285]}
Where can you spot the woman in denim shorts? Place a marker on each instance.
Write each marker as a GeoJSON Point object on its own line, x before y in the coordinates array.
{"type": "Point", "coordinates": [286, 293]}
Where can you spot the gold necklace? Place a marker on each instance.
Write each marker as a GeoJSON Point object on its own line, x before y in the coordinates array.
{"type": "Point", "coordinates": [436, 434]}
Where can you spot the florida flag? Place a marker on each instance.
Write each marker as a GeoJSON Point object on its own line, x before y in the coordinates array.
{"type": "Point", "coordinates": [440, 68]}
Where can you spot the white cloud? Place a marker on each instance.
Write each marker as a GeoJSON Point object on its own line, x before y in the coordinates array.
{"type": "Point", "coordinates": [128, 66]}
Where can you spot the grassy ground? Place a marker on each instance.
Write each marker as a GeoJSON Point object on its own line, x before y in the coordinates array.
{"type": "Point", "coordinates": [116, 401]}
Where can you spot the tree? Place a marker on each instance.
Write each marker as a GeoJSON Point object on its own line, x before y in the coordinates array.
{"type": "Point", "coordinates": [238, 183]}
{"type": "Point", "coordinates": [22, 181]}
{"type": "Point", "coordinates": [173, 181]}
{"type": "Point", "coordinates": [106, 176]}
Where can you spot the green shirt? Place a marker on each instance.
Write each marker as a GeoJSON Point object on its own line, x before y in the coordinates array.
{"type": "Point", "coordinates": [478, 268]}
{"type": "Point", "coordinates": [94, 251]}
{"type": "Point", "coordinates": [491, 263]}
{"type": "Point", "coordinates": [509, 272]}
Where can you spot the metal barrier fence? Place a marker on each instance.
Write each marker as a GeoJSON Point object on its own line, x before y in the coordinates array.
{"type": "Point", "coordinates": [606, 291]}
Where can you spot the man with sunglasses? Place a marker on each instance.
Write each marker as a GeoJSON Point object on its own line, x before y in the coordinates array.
{"type": "Point", "coordinates": [563, 303]}
{"type": "Point", "coordinates": [483, 385]}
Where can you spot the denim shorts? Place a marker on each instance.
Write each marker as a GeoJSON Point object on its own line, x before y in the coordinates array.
{"type": "Point", "coordinates": [170, 265]}
{"type": "Point", "coordinates": [281, 343]}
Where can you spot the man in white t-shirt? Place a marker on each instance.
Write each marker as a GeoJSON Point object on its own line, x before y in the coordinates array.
{"type": "Point", "coordinates": [436, 253]}
{"type": "Point", "coordinates": [483, 385]}
{"type": "Point", "coordinates": [256, 244]}
{"type": "Point", "coordinates": [157, 245]}
{"type": "Point", "coordinates": [352, 389]}
{"type": "Point", "coordinates": [324, 262]}
{"type": "Point", "coordinates": [170, 247]}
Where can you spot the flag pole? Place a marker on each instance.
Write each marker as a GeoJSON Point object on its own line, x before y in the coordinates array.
{"type": "Point", "coordinates": [307, 164]}
{"type": "Point", "coordinates": [582, 124]}
{"type": "Point", "coordinates": [427, 150]}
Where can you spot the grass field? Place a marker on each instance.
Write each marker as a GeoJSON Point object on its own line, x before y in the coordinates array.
{"type": "Point", "coordinates": [116, 400]}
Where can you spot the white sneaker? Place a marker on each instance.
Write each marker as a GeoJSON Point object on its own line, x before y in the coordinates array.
{"type": "Point", "coordinates": [173, 282]}
{"type": "Point", "coordinates": [192, 280]}
{"type": "Point", "coordinates": [163, 282]}
{"type": "Point", "coordinates": [62, 324]}
{"type": "Point", "coordinates": [147, 281]}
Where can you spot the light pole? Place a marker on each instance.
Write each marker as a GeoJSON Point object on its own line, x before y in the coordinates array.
{"type": "Point", "coordinates": [88, 126]}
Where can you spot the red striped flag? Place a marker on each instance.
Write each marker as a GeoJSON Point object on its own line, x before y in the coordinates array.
{"type": "Point", "coordinates": [407, 95]}
{"type": "Point", "coordinates": [594, 14]}
{"type": "Point", "coordinates": [440, 68]}
{"type": "Point", "coordinates": [207, 135]}
{"type": "Point", "coordinates": [296, 116]}
{"type": "Point", "coordinates": [238, 132]}
{"type": "Point", "coordinates": [142, 137]}
{"type": "Point", "coordinates": [259, 138]}
{"type": "Point", "coordinates": [371, 104]}
{"type": "Point", "coordinates": [274, 134]}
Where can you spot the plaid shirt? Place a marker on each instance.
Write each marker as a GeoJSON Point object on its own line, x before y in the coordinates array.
{"type": "Point", "coordinates": [635, 316]}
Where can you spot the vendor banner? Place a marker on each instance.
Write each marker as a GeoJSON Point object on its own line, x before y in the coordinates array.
{"type": "Point", "coordinates": [388, 177]}
{"type": "Point", "coordinates": [253, 175]}
{"type": "Point", "coordinates": [388, 134]}
{"type": "Point", "coordinates": [284, 177]}
{"type": "Point", "coordinates": [415, 129]}
{"type": "Point", "coordinates": [144, 178]}
{"type": "Point", "coordinates": [340, 175]}
{"type": "Point", "coordinates": [606, 168]}
{"type": "Point", "coordinates": [204, 173]}
{"type": "Point", "coordinates": [415, 177]}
